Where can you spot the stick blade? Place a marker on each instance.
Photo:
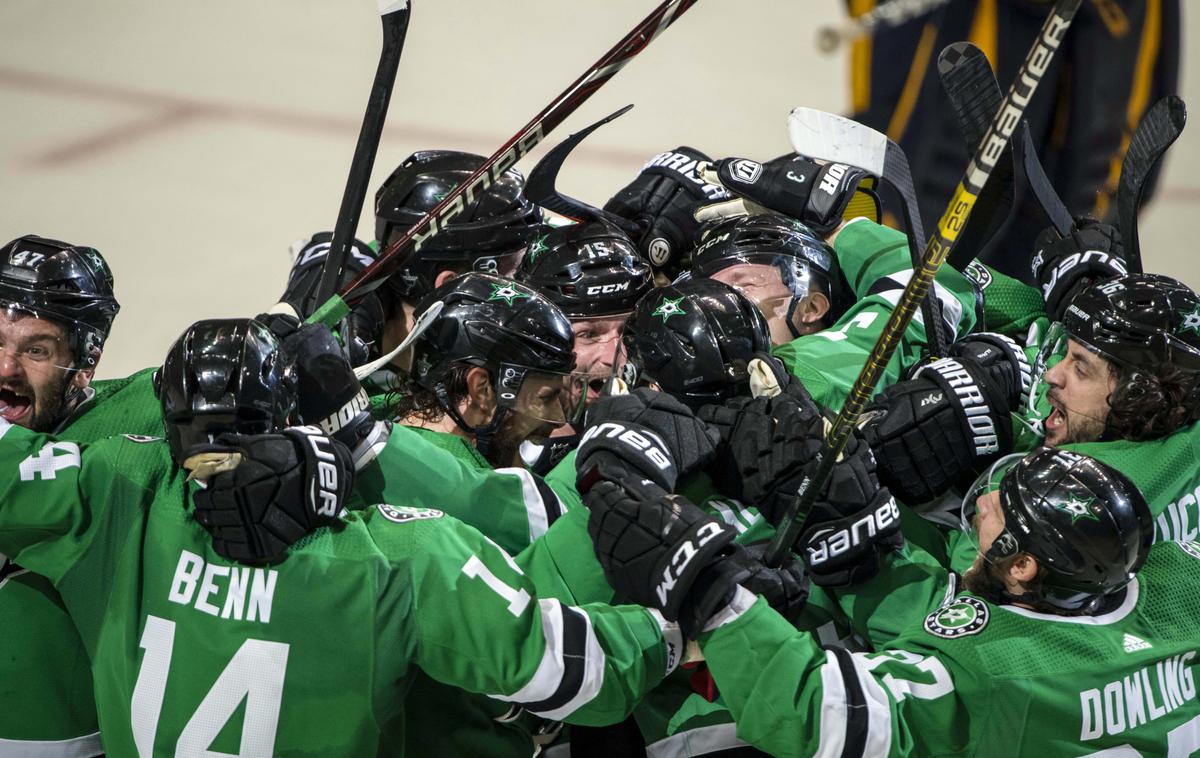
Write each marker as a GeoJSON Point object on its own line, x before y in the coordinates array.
{"type": "Point", "coordinates": [967, 77]}
{"type": "Point", "coordinates": [829, 137]}
{"type": "Point", "coordinates": [391, 6]}
{"type": "Point", "coordinates": [1159, 128]}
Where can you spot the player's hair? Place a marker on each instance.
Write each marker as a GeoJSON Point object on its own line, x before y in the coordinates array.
{"type": "Point", "coordinates": [1147, 405]}
{"type": "Point", "coordinates": [412, 400]}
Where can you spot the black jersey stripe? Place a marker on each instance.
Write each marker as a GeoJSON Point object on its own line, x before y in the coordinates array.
{"type": "Point", "coordinates": [574, 661]}
{"type": "Point", "coordinates": [857, 716]}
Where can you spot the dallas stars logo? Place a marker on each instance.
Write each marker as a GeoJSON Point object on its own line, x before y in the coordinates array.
{"type": "Point", "coordinates": [440, 196]}
{"type": "Point", "coordinates": [1078, 509]}
{"type": "Point", "coordinates": [668, 308]}
{"type": "Point", "coordinates": [1191, 321]}
{"type": "Point", "coordinates": [506, 293]}
{"type": "Point", "coordinates": [964, 616]}
{"type": "Point", "coordinates": [537, 247]}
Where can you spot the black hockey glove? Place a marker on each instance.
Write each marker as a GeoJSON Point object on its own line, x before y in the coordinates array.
{"type": "Point", "coordinates": [1065, 265]}
{"type": "Point", "coordinates": [287, 485]}
{"type": "Point", "coordinates": [664, 553]}
{"type": "Point", "coordinates": [785, 588]}
{"type": "Point", "coordinates": [663, 200]}
{"type": "Point", "coordinates": [329, 395]}
{"type": "Point", "coordinates": [645, 434]}
{"type": "Point", "coordinates": [792, 185]}
{"type": "Point", "coordinates": [360, 332]}
{"type": "Point", "coordinates": [939, 428]}
{"type": "Point", "coordinates": [1002, 358]}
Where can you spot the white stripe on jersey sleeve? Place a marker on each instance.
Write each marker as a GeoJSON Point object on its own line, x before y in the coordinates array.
{"type": "Point", "coordinates": [879, 714]}
{"type": "Point", "coordinates": [535, 507]}
{"type": "Point", "coordinates": [833, 709]}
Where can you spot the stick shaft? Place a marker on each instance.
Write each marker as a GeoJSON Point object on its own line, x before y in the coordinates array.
{"type": "Point", "coordinates": [395, 29]}
{"type": "Point", "coordinates": [936, 251]}
{"type": "Point", "coordinates": [511, 151]}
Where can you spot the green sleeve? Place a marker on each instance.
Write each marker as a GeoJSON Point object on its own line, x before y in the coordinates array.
{"type": "Point", "coordinates": [789, 697]}
{"type": "Point", "coordinates": [120, 406]}
{"type": "Point", "coordinates": [512, 506]}
{"type": "Point", "coordinates": [908, 585]}
{"type": "Point", "coordinates": [1009, 306]}
{"type": "Point", "coordinates": [482, 627]}
{"type": "Point", "coordinates": [876, 263]}
{"type": "Point", "coordinates": [562, 480]}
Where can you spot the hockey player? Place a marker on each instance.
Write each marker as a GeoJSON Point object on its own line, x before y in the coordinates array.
{"type": "Point", "coordinates": [58, 308]}
{"type": "Point", "coordinates": [1072, 637]}
{"type": "Point", "coordinates": [490, 235]}
{"type": "Point", "coordinates": [179, 638]}
{"type": "Point", "coordinates": [593, 273]}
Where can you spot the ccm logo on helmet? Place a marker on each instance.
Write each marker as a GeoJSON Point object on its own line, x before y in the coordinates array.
{"type": "Point", "coordinates": [606, 289]}
{"type": "Point", "coordinates": [682, 556]}
{"type": "Point", "coordinates": [646, 445]}
{"type": "Point", "coordinates": [973, 404]}
{"type": "Point", "coordinates": [835, 542]}
{"type": "Point", "coordinates": [325, 501]}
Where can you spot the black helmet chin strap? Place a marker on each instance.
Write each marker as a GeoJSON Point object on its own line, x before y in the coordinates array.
{"type": "Point", "coordinates": [484, 434]}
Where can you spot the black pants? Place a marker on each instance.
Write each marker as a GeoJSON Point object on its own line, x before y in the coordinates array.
{"type": "Point", "coordinates": [1119, 58]}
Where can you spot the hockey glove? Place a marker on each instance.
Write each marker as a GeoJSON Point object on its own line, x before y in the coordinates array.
{"type": "Point", "coordinates": [662, 200]}
{"type": "Point", "coordinates": [286, 485]}
{"type": "Point", "coordinates": [329, 394]}
{"type": "Point", "coordinates": [635, 434]}
{"type": "Point", "coordinates": [785, 588]}
{"type": "Point", "coordinates": [360, 332]}
{"type": "Point", "coordinates": [1065, 265]}
{"type": "Point", "coordinates": [664, 553]}
{"type": "Point", "coordinates": [939, 428]}
{"type": "Point", "coordinates": [792, 185]}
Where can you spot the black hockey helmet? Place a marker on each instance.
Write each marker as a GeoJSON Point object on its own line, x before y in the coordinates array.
{"type": "Point", "coordinates": [590, 269]}
{"type": "Point", "coordinates": [1087, 525]}
{"type": "Point", "coordinates": [805, 261]}
{"type": "Point", "coordinates": [694, 339]}
{"type": "Point", "coordinates": [69, 284]}
{"type": "Point", "coordinates": [1141, 320]}
{"type": "Point", "coordinates": [521, 338]}
{"type": "Point", "coordinates": [499, 223]}
{"type": "Point", "coordinates": [223, 375]}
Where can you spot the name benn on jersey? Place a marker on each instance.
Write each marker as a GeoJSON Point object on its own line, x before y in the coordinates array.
{"type": "Point", "coordinates": [228, 592]}
{"type": "Point", "coordinates": [1145, 695]}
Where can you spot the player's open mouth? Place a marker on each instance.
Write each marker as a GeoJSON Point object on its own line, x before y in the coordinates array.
{"type": "Point", "coordinates": [1057, 420]}
{"type": "Point", "coordinates": [595, 386]}
{"type": "Point", "coordinates": [14, 406]}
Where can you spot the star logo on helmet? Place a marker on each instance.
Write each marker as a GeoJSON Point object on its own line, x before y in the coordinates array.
{"type": "Point", "coordinates": [440, 196]}
{"type": "Point", "coordinates": [1078, 509]}
{"type": "Point", "coordinates": [537, 247]}
{"type": "Point", "coordinates": [668, 308]}
{"type": "Point", "coordinates": [507, 293]}
{"type": "Point", "coordinates": [1191, 321]}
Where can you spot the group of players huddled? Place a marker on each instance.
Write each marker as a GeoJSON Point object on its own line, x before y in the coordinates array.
{"type": "Point", "coordinates": [541, 525]}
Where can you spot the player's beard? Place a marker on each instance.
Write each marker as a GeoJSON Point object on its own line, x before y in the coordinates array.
{"type": "Point", "coordinates": [48, 401]}
{"type": "Point", "coordinates": [514, 429]}
{"type": "Point", "coordinates": [1079, 427]}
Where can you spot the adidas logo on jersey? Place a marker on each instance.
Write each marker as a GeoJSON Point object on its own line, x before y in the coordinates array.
{"type": "Point", "coordinates": [1134, 644]}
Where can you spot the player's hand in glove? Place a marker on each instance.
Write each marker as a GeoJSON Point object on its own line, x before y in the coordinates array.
{"type": "Point", "coordinates": [792, 185]}
{"type": "Point", "coordinates": [642, 435]}
{"type": "Point", "coordinates": [949, 421]}
{"type": "Point", "coordinates": [286, 485]}
{"type": "Point", "coordinates": [361, 331]}
{"type": "Point", "coordinates": [662, 200]}
{"type": "Point", "coordinates": [329, 394]}
{"type": "Point", "coordinates": [665, 553]}
{"type": "Point", "coordinates": [1063, 266]}
{"type": "Point", "coordinates": [785, 589]}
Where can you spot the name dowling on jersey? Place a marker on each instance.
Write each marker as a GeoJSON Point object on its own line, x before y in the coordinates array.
{"type": "Point", "coordinates": [1146, 695]}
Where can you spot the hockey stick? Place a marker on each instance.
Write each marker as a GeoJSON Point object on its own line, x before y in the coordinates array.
{"type": "Point", "coordinates": [1039, 185]}
{"type": "Point", "coordinates": [975, 97]}
{"type": "Point", "coordinates": [825, 136]}
{"type": "Point", "coordinates": [394, 14]}
{"type": "Point", "coordinates": [394, 256]}
{"type": "Point", "coordinates": [883, 16]}
{"type": "Point", "coordinates": [1160, 127]}
{"type": "Point", "coordinates": [981, 166]}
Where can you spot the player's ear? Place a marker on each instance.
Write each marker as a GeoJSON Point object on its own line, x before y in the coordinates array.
{"type": "Point", "coordinates": [1024, 568]}
{"type": "Point", "coordinates": [443, 277]}
{"type": "Point", "coordinates": [481, 396]}
{"type": "Point", "coordinates": [813, 308]}
{"type": "Point", "coordinates": [82, 378]}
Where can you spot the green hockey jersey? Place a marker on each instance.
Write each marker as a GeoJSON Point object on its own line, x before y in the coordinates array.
{"type": "Point", "coordinates": [967, 677]}
{"type": "Point", "coordinates": [46, 703]}
{"type": "Point", "coordinates": [877, 264]}
{"type": "Point", "coordinates": [308, 657]}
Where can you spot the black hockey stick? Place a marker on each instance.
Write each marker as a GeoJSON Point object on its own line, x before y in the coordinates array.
{"type": "Point", "coordinates": [981, 166]}
{"type": "Point", "coordinates": [1160, 127]}
{"type": "Point", "coordinates": [394, 256]}
{"type": "Point", "coordinates": [884, 15]}
{"type": "Point", "coordinates": [828, 137]}
{"type": "Point", "coordinates": [975, 97]}
{"type": "Point", "coordinates": [394, 16]}
{"type": "Point", "coordinates": [1039, 184]}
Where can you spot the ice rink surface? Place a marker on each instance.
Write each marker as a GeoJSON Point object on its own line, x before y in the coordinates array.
{"type": "Point", "coordinates": [192, 142]}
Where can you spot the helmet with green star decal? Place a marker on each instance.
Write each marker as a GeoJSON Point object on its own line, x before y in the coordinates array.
{"type": "Point", "coordinates": [694, 339]}
{"type": "Point", "coordinates": [590, 269]}
{"type": "Point", "coordinates": [521, 338]}
{"type": "Point", "coordinates": [1086, 524]}
{"type": "Point", "coordinates": [488, 235]}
